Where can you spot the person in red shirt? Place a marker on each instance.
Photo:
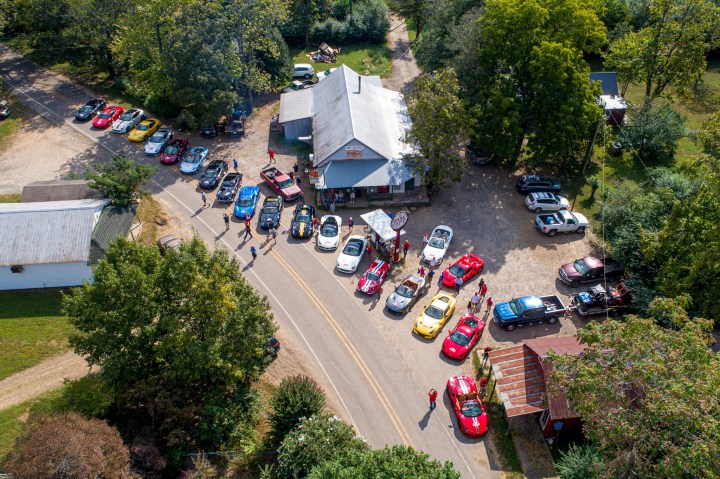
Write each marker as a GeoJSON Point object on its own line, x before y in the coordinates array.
{"type": "Point", "coordinates": [271, 153]}
{"type": "Point", "coordinates": [483, 386]}
{"type": "Point", "coordinates": [483, 289]}
{"type": "Point", "coordinates": [489, 304]}
{"type": "Point", "coordinates": [433, 397]}
{"type": "Point", "coordinates": [406, 247]}
{"type": "Point", "coordinates": [369, 250]}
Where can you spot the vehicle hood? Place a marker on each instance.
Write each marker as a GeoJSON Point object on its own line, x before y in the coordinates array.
{"type": "Point", "coordinates": [302, 229]}
{"type": "Point", "coordinates": [224, 193]}
{"type": "Point", "coordinates": [430, 251]}
{"type": "Point", "coordinates": [82, 114]}
{"type": "Point", "coordinates": [581, 219]}
{"type": "Point", "coordinates": [241, 211]}
{"type": "Point", "coordinates": [474, 426]}
{"type": "Point", "coordinates": [328, 241]}
{"type": "Point", "coordinates": [453, 350]}
{"type": "Point", "coordinates": [504, 312]}
{"type": "Point", "coordinates": [290, 191]}
{"type": "Point", "coordinates": [367, 286]}
{"type": "Point", "coordinates": [427, 325]}
{"type": "Point", "coordinates": [188, 167]}
{"type": "Point", "coordinates": [153, 147]}
{"type": "Point", "coordinates": [209, 180]}
{"type": "Point", "coordinates": [397, 302]}
{"type": "Point", "coordinates": [101, 121]}
{"type": "Point", "coordinates": [136, 134]}
{"type": "Point", "coordinates": [347, 261]}
{"type": "Point", "coordinates": [275, 217]}
{"type": "Point", "coordinates": [569, 271]}
{"type": "Point", "coordinates": [121, 124]}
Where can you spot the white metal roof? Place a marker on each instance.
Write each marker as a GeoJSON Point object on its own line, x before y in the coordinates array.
{"type": "Point", "coordinates": [349, 106]}
{"type": "Point", "coordinates": [296, 105]}
{"type": "Point", "coordinates": [379, 221]}
{"type": "Point", "coordinates": [47, 232]}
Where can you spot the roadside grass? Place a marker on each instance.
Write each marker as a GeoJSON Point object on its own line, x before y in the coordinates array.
{"type": "Point", "coordinates": [32, 329]}
{"type": "Point", "coordinates": [411, 28]}
{"type": "Point", "coordinates": [498, 429]}
{"type": "Point", "coordinates": [149, 211]}
{"type": "Point", "coordinates": [364, 58]}
{"type": "Point", "coordinates": [11, 198]}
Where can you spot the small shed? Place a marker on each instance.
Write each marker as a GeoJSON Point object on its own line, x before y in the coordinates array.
{"type": "Point", "coordinates": [614, 106]}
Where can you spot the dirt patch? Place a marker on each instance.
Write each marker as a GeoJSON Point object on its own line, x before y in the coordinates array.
{"type": "Point", "coordinates": [156, 222]}
{"type": "Point", "coordinates": [405, 68]}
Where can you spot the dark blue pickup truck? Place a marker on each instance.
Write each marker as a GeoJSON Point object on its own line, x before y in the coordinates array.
{"type": "Point", "coordinates": [528, 310]}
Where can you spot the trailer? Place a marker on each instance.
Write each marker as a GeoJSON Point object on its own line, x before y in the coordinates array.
{"type": "Point", "coordinates": [599, 301]}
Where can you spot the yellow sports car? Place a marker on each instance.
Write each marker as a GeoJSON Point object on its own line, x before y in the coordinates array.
{"type": "Point", "coordinates": [144, 130]}
{"type": "Point", "coordinates": [435, 315]}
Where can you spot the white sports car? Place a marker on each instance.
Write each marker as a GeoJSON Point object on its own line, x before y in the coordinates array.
{"type": "Point", "coordinates": [194, 160]}
{"type": "Point", "coordinates": [351, 254]}
{"type": "Point", "coordinates": [329, 233]}
{"type": "Point", "coordinates": [128, 120]}
{"type": "Point", "coordinates": [158, 141]}
{"type": "Point", "coordinates": [440, 239]}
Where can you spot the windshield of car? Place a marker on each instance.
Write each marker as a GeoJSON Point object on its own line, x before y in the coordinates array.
{"type": "Point", "coordinates": [516, 307]}
{"type": "Point", "coordinates": [171, 150]}
{"type": "Point", "coordinates": [126, 117]}
{"type": "Point", "coordinates": [372, 277]}
{"type": "Point", "coordinates": [460, 338]}
{"type": "Point", "coordinates": [286, 183]}
{"type": "Point", "coordinates": [103, 116]}
{"type": "Point", "coordinates": [157, 138]}
{"type": "Point", "coordinates": [303, 218]}
{"type": "Point", "coordinates": [192, 158]}
{"type": "Point", "coordinates": [86, 109]}
{"type": "Point", "coordinates": [471, 408]}
{"type": "Point", "coordinates": [457, 270]}
{"type": "Point", "coordinates": [353, 248]}
{"type": "Point", "coordinates": [270, 210]}
{"type": "Point", "coordinates": [437, 243]}
{"type": "Point", "coordinates": [404, 291]}
{"type": "Point", "coordinates": [434, 312]}
{"type": "Point", "coordinates": [329, 230]}
{"type": "Point", "coordinates": [211, 172]}
{"type": "Point", "coordinates": [245, 202]}
{"type": "Point", "coordinates": [142, 127]}
{"type": "Point", "coordinates": [580, 266]}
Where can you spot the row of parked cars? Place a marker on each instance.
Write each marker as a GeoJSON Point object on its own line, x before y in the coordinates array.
{"type": "Point", "coordinates": [542, 198]}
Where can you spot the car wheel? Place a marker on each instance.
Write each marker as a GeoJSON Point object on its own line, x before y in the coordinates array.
{"type": "Point", "coordinates": [538, 210]}
{"type": "Point", "coordinates": [575, 283]}
{"type": "Point", "coordinates": [552, 320]}
{"type": "Point", "coordinates": [552, 233]}
{"type": "Point", "coordinates": [509, 327]}
{"type": "Point", "coordinates": [307, 77]}
{"type": "Point", "coordinates": [580, 230]}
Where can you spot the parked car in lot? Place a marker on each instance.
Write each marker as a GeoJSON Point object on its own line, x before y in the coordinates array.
{"type": "Point", "coordinates": [351, 254]}
{"type": "Point", "coordinates": [281, 183]}
{"type": "Point", "coordinates": [174, 150]}
{"type": "Point", "coordinates": [90, 109]}
{"type": "Point", "coordinates": [613, 301]}
{"type": "Point", "coordinates": [461, 339]}
{"type": "Point", "coordinates": [144, 130]}
{"type": "Point", "coordinates": [467, 267]}
{"type": "Point", "coordinates": [128, 120]}
{"type": "Point", "coordinates": [247, 201]}
{"type": "Point", "coordinates": [434, 316]}
{"type": "Point", "coordinates": [303, 70]}
{"type": "Point", "coordinates": [590, 269]}
{"type": "Point", "coordinates": [106, 117]}
{"type": "Point", "coordinates": [323, 75]}
{"type": "Point", "coordinates": [542, 201]}
{"type": "Point", "coordinates": [157, 142]}
{"type": "Point", "coordinates": [270, 212]}
{"type": "Point", "coordinates": [298, 85]}
{"type": "Point", "coordinates": [213, 130]}
{"type": "Point", "coordinates": [535, 183]}
{"type": "Point", "coordinates": [528, 310]}
{"type": "Point", "coordinates": [440, 240]}
{"type": "Point", "coordinates": [301, 225]}
{"type": "Point", "coordinates": [229, 187]}
{"type": "Point", "coordinates": [467, 405]}
{"type": "Point", "coordinates": [213, 173]}
{"type": "Point", "coordinates": [561, 222]}
{"type": "Point", "coordinates": [406, 294]}
{"type": "Point", "coordinates": [329, 234]}
{"type": "Point", "coordinates": [194, 159]}
{"type": "Point", "coordinates": [372, 280]}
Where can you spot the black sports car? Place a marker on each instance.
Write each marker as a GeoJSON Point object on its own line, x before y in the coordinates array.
{"type": "Point", "coordinates": [90, 109]}
{"type": "Point", "coordinates": [229, 187]}
{"type": "Point", "coordinates": [302, 222]}
{"type": "Point", "coordinates": [270, 212]}
{"type": "Point", "coordinates": [212, 174]}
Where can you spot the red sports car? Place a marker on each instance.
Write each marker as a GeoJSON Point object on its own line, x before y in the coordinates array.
{"type": "Point", "coordinates": [466, 333]}
{"type": "Point", "coordinates": [466, 267]}
{"type": "Point", "coordinates": [468, 407]}
{"type": "Point", "coordinates": [173, 151]}
{"type": "Point", "coordinates": [373, 277]}
{"type": "Point", "coordinates": [106, 117]}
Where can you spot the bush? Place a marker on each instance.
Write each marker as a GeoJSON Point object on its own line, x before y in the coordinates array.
{"type": "Point", "coordinates": [297, 397]}
{"type": "Point", "coordinates": [655, 131]}
{"type": "Point", "coordinates": [579, 462]}
{"type": "Point", "coordinates": [330, 30]}
{"type": "Point", "coordinates": [369, 22]}
{"type": "Point", "coordinates": [89, 396]}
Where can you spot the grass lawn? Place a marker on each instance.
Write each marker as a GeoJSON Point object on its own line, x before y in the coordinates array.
{"type": "Point", "coordinates": [31, 329]}
{"type": "Point", "coordinates": [364, 58]}
{"type": "Point", "coordinates": [11, 198]}
{"type": "Point", "coordinates": [411, 28]}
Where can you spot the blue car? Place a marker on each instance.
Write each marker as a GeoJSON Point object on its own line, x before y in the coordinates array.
{"type": "Point", "coordinates": [247, 201]}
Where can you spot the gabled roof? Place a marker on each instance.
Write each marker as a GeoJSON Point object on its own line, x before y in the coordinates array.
{"type": "Point", "coordinates": [608, 82]}
{"type": "Point", "coordinates": [296, 105]}
{"type": "Point", "coordinates": [348, 106]}
{"type": "Point", "coordinates": [47, 232]}
{"type": "Point", "coordinates": [115, 222]}
{"type": "Point", "coordinates": [58, 190]}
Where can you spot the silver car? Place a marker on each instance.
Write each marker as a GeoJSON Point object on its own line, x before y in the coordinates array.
{"type": "Point", "coordinates": [539, 202]}
{"type": "Point", "coordinates": [406, 294]}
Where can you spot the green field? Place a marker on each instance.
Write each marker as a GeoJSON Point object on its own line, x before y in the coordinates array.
{"type": "Point", "coordinates": [364, 58]}
{"type": "Point", "coordinates": [31, 329]}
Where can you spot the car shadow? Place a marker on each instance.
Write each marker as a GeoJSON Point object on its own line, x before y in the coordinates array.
{"type": "Point", "coordinates": [450, 361]}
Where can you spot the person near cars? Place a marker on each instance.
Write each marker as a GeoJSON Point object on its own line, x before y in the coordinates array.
{"type": "Point", "coordinates": [486, 356]}
{"type": "Point", "coordinates": [203, 197]}
{"type": "Point", "coordinates": [406, 247]}
{"type": "Point", "coordinates": [426, 238]}
{"type": "Point", "coordinates": [483, 287]}
{"type": "Point", "coordinates": [433, 394]}
{"type": "Point", "coordinates": [433, 263]}
{"type": "Point", "coordinates": [458, 283]}
{"type": "Point", "coordinates": [350, 224]}
{"type": "Point", "coordinates": [475, 300]}
{"type": "Point", "coordinates": [352, 195]}
{"type": "Point", "coordinates": [226, 219]}
{"type": "Point", "coordinates": [369, 251]}
{"type": "Point", "coordinates": [421, 271]}
{"type": "Point", "coordinates": [271, 154]}
{"type": "Point", "coordinates": [248, 231]}
{"type": "Point", "coordinates": [247, 220]}
{"type": "Point", "coordinates": [483, 387]}
{"type": "Point", "coordinates": [430, 275]}
{"type": "Point", "coordinates": [253, 252]}
{"type": "Point", "coordinates": [442, 277]}
{"type": "Point", "coordinates": [235, 165]}
{"type": "Point", "coordinates": [489, 305]}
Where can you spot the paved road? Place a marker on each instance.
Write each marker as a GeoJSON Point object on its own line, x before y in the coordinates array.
{"type": "Point", "coordinates": [382, 380]}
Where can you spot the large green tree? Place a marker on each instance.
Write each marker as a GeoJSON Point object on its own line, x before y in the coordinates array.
{"type": "Point", "coordinates": [670, 49]}
{"type": "Point", "coordinates": [296, 397]}
{"type": "Point", "coordinates": [179, 339]}
{"type": "Point", "coordinates": [647, 394]}
{"type": "Point", "coordinates": [438, 126]}
{"type": "Point", "coordinates": [121, 180]}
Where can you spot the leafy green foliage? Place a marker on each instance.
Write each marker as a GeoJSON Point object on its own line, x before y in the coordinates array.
{"type": "Point", "coordinates": [709, 136]}
{"type": "Point", "coordinates": [647, 394]}
{"type": "Point", "coordinates": [669, 49]}
{"type": "Point", "coordinates": [317, 439]}
{"type": "Point", "coordinates": [179, 339]}
{"type": "Point", "coordinates": [438, 126]}
{"type": "Point", "coordinates": [89, 396]}
{"type": "Point", "coordinates": [579, 462]}
{"type": "Point", "coordinates": [655, 131]}
{"type": "Point", "coordinates": [121, 180]}
{"type": "Point", "coordinates": [297, 397]}
{"type": "Point", "coordinates": [416, 10]}
{"type": "Point", "coordinates": [395, 461]}
{"type": "Point", "coordinates": [368, 22]}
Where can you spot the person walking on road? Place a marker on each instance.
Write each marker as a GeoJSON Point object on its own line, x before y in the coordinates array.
{"type": "Point", "coordinates": [271, 153]}
{"type": "Point", "coordinates": [433, 394]}
{"type": "Point", "coordinates": [430, 275]}
{"type": "Point", "coordinates": [425, 239]}
{"type": "Point", "coordinates": [475, 301]}
{"type": "Point", "coordinates": [458, 283]}
{"type": "Point", "coordinates": [272, 234]}
{"type": "Point", "coordinates": [235, 165]}
{"type": "Point", "coordinates": [489, 304]}
{"type": "Point", "coordinates": [421, 271]}
{"type": "Point", "coordinates": [253, 252]}
{"type": "Point", "coordinates": [203, 197]}
{"type": "Point", "coordinates": [442, 277]}
{"type": "Point", "coordinates": [226, 219]}
{"type": "Point", "coordinates": [248, 231]}
{"type": "Point", "coordinates": [247, 219]}
{"type": "Point", "coordinates": [433, 263]}
{"type": "Point", "coordinates": [483, 288]}
{"type": "Point", "coordinates": [350, 223]}
{"type": "Point", "coordinates": [486, 357]}
{"type": "Point", "coordinates": [406, 247]}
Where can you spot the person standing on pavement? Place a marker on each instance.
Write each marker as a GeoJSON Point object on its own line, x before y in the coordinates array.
{"type": "Point", "coordinates": [247, 219]}
{"type": "Point", "coordinates": [235, 165]}
{"type": "Point", "coordinates": [273, 234]}
{"type": "Point", "coordinates": [332, 207]}
{"type": "Point", "coordinates": [298, 182]}
{"type": "Point", "coordinates": [406, 247]}
{"type": "Point", "coordinates": [483, 288]}
{"type": "Point", "coordinates": [426, 239]}
{"type": "Point", "coordinates": [433, 394]}
{"type": "Point", "coordinates": [486, 356]}
{"type": "Point", "coordinates": [421, 271]}
{"type": "Point", "coordinates": [369, 251]}
{"type": "Point", "coordinates": [475, 301]}
{"type": "Point", "coordinates": [271, 153]}
{"type": "Point", "coordinates": [253, 252]}
{"type": "Point", "coordinates": [458, 283]}
{"type": "Point", "coordinates": [248, 231]}
{"type": "Point", "coordinates": [226, 219]}
{"type": "Point", "coordinates": [489, 305]}
{"type": "Point", "coordinates": [352, 195]}
{"type": "Point", "coordinates": [433, 263]}
{"type": "Point", "coordinates": [350, 223]}
{"type": "Point", "coordinates": [203, 197]}
{"type": "Point", "coordinates": [442, 277]}
{"type": "Point", "coordinates": [483, 387]}
{"type": "Point", "coordinates": [430, 275]}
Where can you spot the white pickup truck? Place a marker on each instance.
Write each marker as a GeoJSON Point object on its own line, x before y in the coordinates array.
{"type": "Point", "coordinates": [562, 221]}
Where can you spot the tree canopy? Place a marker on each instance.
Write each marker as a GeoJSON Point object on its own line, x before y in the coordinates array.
{"type": "Point", "coordinates": [647, 394]}
{"type": "Point", "coordinates": [296, 397]}
{"type": "Point", "coordinates": [121, 180]}
{"type": "Point", "coordinates": [180, 339]}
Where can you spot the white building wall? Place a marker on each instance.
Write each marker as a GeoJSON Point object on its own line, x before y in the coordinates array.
{"type": "Point", "coordinates": [354, 150]}
{"type": "Point", "coordinates": [45, 275]}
